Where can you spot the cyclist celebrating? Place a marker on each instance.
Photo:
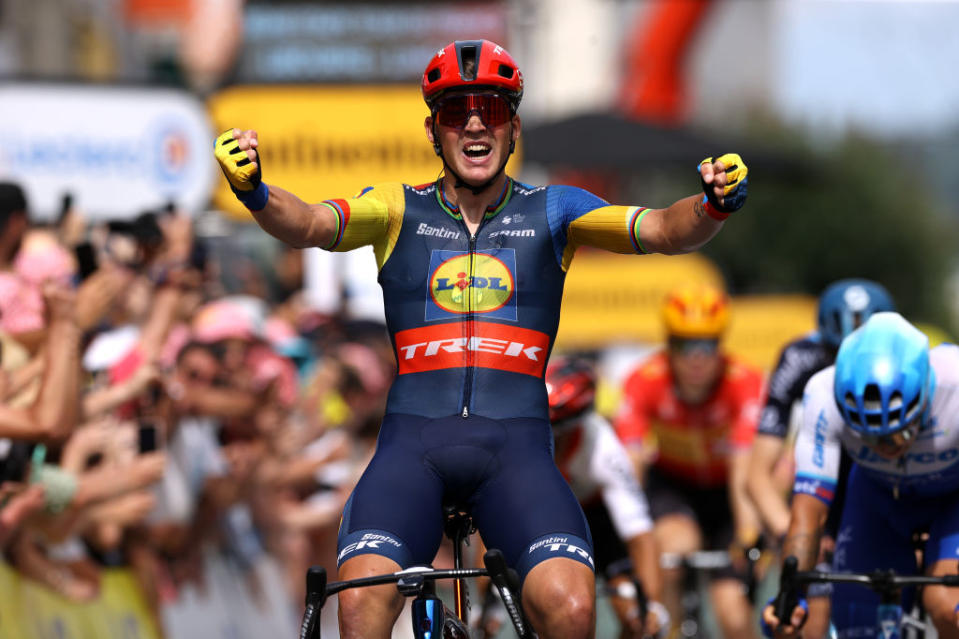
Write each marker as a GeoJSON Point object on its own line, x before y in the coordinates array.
{"type": "Point", "coordinates": [701, 407]}
{"type": "Point", "coordinates": [891, 403]}
{"type": "Point", "coordinates": [598, 469]}
{"type": "Point", "coordinates": [843, 307]}
{"type": "Point", "coordinates": [472, 269]}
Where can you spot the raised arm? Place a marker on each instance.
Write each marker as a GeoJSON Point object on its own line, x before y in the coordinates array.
{"type": "Point", "coordinates": [684, 226]}
{"type": "Point", "coordinates": [280, 213]}
{"type": "Point", "coordinates": [373, 217]}
{"type": "Point", "coordinates": [691, 222]}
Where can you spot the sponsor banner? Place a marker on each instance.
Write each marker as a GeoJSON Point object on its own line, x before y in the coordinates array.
{"type": "Point", "coordinates": [481, 283]}
{"type": "Point", "coordinates": [329, 142]}
{"type": "Point", "coordinates": [118, 151]}
{"type": "Point", "coordinates": [618, 298]}
{"type": "Point", "coordinates": [487, 345]}
{"type": "Point", "coordinates": [357, 42]}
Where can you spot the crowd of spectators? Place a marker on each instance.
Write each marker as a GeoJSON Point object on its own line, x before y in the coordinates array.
{"type": "Point", "coordinates": [149, 412]}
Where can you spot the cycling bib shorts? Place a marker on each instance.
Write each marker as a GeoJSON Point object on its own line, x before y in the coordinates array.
{"type": "Point", "coordinates": [501, 471]}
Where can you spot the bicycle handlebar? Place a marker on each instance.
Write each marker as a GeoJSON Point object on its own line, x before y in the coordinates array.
{"type": "Point", "coordinates": [407, 581]}
{"type": "Point", "coordinates": [878, 580]}
{"type": "Point", "coordinates": [788, 596]}
{"type": "Point", "coordinates": [885, 582]}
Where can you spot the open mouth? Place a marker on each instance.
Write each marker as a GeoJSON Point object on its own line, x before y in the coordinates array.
{"type": "Point", "coordinates": [477, 150]}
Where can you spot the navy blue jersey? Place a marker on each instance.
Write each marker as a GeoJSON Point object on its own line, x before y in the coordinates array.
{"type": "Point", "coordinates": [799, 360]}
{"type": "Point", "coordinates": [473, 317]}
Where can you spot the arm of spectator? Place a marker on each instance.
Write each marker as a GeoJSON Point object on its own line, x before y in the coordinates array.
{"type": "Point", "coordinates": [221, 402]}
{"type": "Point", "coordinates": [109, 397]}
{"type": "Point", "coordinates": [21, 378]}
{"type": "Point", "coordinates": [299, 469]}
{"type": "Point", "coordinates": [88, 440]}
{"type": "Point", "coordinates": [32, 563]}
{"type": "Point", "coordinates": [108, 481]}
{"type": "Point", "coordinates": [54, 413]}
{"type": "Point", "coordinates": [123, 510]}
{"type": "Point", "coordinates": [17, 503]}
{"type": "Point", "coordinates": [97, 293]}
{"type": "Point", "coordinates": [171, 274]}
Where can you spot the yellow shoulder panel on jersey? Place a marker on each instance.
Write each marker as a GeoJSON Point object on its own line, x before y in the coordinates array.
{"type": "Point", "coordinates": [374, 217]}
{"type": "Point", "coordinates": [613, 228]}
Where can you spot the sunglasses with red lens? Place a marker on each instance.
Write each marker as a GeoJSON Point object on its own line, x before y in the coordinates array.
{"type": "Point", "coordinates": [455, 111]}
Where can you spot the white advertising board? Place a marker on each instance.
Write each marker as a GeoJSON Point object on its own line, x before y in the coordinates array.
{"type": "Point", "coordinates": [118, 150]}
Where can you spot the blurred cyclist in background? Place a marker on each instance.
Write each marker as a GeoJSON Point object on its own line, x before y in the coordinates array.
{"type": "Point", "coordinates": [472, 269]}
{"type": "Point", "coordinates": [843, 307]}
{"type": "Point", "coordinates": [891, 403]}
{"type": "Point", "coordinates": [688, 418]}
{"type": "Point", "coordinates": [598, 469]}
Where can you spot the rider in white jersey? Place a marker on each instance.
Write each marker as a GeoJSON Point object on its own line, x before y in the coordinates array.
{"type": "Point", "coordinates": [601, 475]}
{"type": "Point", "coordinates": [892, 404]}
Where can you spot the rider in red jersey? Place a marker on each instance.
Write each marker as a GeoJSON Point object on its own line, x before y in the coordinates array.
{"type": "Point", "coordinates": [688, 417]}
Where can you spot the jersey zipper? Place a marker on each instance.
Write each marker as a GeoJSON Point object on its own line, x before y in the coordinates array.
{"type": "Point", "coordinates": [470, 363]}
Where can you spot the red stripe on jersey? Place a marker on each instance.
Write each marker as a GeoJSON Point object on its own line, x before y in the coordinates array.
{"type": "Point", "coordinates": [507, 348]}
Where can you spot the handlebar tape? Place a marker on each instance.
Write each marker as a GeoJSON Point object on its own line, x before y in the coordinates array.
{"type": "Point", "coordinates": [507, 583]}
{"type": "Point", "coordinates": [315, 598]}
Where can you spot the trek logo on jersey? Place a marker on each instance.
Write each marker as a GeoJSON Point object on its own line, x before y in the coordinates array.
{"type": "Point", "coordinates": [368, 542]}
{"type": "Point", "coordinates": [481, 283]}
{"type": "Point", "coordinates": [561, 545]}
{"type": "Point", "coordinates": [487, 345]}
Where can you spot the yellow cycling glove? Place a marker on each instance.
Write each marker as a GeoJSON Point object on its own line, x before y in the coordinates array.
{"type": "Point", "coordinates": [244, 176]}
{"type": "Point", "coordinates": [735, 191]}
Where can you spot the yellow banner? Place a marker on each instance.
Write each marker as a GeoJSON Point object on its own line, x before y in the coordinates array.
{"type": "Point", "coordinates": [330, 142]}
{"type": "Point", "coordinates": [618, 298]}
{"type": "Point", "coordinates": [761, 325]}
{"type": "Point", "coordinates": [30, 610]}
{"type": "Point", "coordinates": [610, 297]}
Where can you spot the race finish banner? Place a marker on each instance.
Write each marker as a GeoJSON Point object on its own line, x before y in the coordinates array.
{"type": "Point", "coordinates": [118, 151]}
{"type": "Point", "coordinates": [611, 298]}
{"type": "Point", "coordinates": [322, 143]}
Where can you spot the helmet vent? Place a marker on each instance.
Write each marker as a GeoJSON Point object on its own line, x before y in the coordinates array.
{"type": "Point", "coordinates": [468, 64]}
{"type": "Point", "coordinates": [912, 408]}
{"type": "Point", "coordinates": [433, 75]}
{"type": "Point", "coordinates": [895, 402]}
{"type": "Point", "coordinates": [872, 405]}
{"type": "Point", "coordinates": [505, 71]}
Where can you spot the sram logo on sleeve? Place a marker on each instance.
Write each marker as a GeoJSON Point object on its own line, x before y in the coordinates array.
{"type": "Point", "coordinates": [481, 283]}
{"type": "Point", "coordinates": [508, 348]}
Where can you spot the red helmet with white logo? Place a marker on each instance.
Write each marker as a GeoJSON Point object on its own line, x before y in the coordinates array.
{"type": "Point", "coordinates": [472, 64]}
{"type": "Point", "coordinates": [571, 388]}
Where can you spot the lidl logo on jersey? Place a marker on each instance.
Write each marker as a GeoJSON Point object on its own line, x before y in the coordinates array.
{"type": "Point", "coordinates": [482, 283]}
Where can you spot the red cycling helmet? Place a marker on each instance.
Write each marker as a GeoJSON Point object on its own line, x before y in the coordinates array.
{"type": "Point", "coordinates": [571, 388]}
{"type": "Point", "coordinates": [472, 64]}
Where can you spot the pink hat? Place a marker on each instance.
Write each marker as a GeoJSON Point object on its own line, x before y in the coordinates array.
{"type": "Point", "coordinates": [42, 258]}
{"type": "Point", "coordinates": [225, 319]}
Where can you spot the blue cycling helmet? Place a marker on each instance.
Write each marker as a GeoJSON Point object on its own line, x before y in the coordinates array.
{"type": "Point", "coordinates": [882, 375]}
{"type": "Point", "coordinates": [847, 304]}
